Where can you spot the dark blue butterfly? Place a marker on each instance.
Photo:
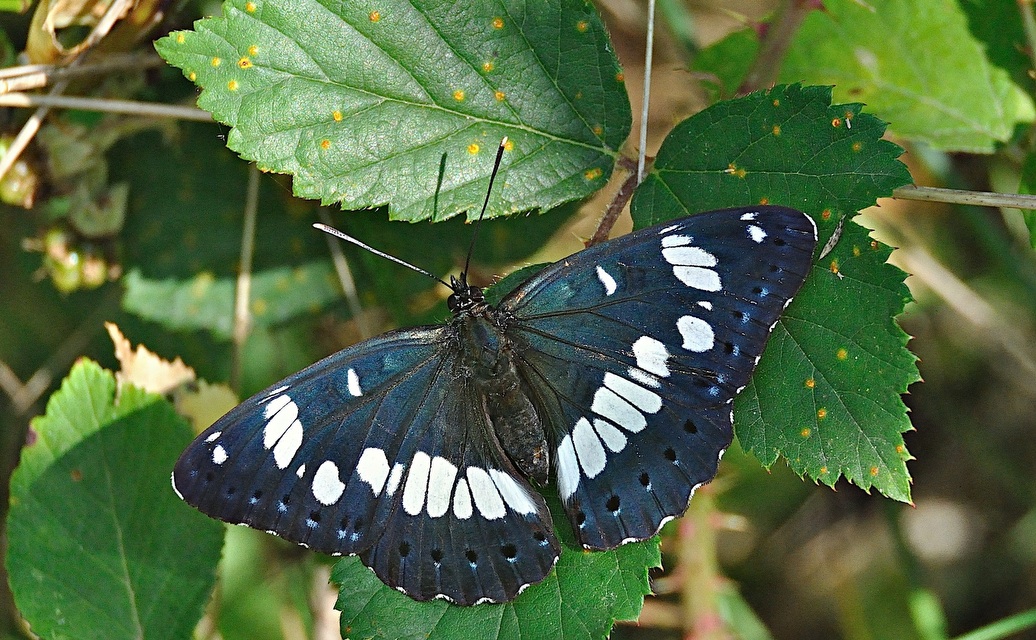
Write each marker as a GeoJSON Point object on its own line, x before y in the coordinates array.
{"type": "Point", "coordinates": [612, 372]}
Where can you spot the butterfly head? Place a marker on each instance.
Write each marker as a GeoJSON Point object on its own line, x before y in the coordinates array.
{"type": "Point", "coordinates": [465, 297]}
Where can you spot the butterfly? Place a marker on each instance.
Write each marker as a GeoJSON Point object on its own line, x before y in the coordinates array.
{"type": "Point", "coordinates": [611, 373]}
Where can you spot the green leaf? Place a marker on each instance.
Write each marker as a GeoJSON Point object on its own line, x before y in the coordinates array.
{"type": "Point", "coordinates": [206, 302]}
{"type": "Point", "coordinates": [99, 545]}
{"type": "Point", "coordinates": [826, 395]}
{"type": "Point", "coordinates": [367, 116]}
{"type": "Point", "coordinates": [725, 63]}
{"type": "Point", "coordinates": [790, 146]}
{"type": "Point", "coordinates": [582, 598]}
{"type": "Point", "coordinates": [915, 63]}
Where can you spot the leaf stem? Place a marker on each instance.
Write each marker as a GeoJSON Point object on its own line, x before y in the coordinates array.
{"type": "Point", "coordinates": [618, 203]}
{"type": "Point", "coordinates": [243, 289]}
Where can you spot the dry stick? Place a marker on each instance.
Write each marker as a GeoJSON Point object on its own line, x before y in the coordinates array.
{"type": "Point", "coordinates": [35, 76]}
{"type": "Point", "coordinates": [775, 45]}
{"type": "Point", "coordinates": [345, 278]}
{"type": "Point", "coordinates": [957, 196]}
{"type": "Point", "coordinates": [129, 107]}
{"type": "Point", "coordinates": [243, 288]}
{"type": "Point", "coordinates": [32, 126]}
{"type": "Point", "coordinates": [618, 203]}
{"type": "Point", "coordinates": [648, 51]}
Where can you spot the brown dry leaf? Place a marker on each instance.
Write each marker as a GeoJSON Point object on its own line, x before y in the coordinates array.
{"type": "Point", "coordinates": [144, 369]}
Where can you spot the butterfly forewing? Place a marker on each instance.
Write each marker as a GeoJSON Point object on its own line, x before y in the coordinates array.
{"type": "Point", "coordinates": [635, 349]}
{"type": "Point", "coordinates": [380, 450]}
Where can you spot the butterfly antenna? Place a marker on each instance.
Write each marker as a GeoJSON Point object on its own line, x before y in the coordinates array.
{"type": "Point", "coordinates": [338, 234]}
{"type": "Point", "coordinates": [489, 191]}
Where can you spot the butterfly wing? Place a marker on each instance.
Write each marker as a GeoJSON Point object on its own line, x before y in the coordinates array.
{"type": "Point", "coordinates": [383, 451]}
{"type": "Point", "coordinates": [636, 348]}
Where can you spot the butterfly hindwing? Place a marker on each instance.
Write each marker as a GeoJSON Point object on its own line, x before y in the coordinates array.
{"type": "Point", "coordinates": [636, 348]}
{"type": "Point", "coordinates": [381, 451]}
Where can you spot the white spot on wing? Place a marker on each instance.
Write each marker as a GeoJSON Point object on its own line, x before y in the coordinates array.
{"type": "Point", "coordinates": [697, 334]}
{"type": "Point", "coordinates": [440, 482]}
{"type": "Point", "coordinates": [705, 304]}
{"type": "Point", "coordinates": [756, 233]}
{"type": "Point", "coordinates": [416, 484]}
{"type": "Point", "coordinates": [514, 494]}
{"type": "Point", "coordinates": [275, 405]}
{"type": "Point", "coordinates": [748, 216]}
{"type": "Point", "coordinates": [462, 500]}
{"type": "Point", "coordinates": [666, 230]}
{"type": "Point", "coordinates": [589, 449]}
{"type": "Point", "coordinates": [612, 437]}
{"type": "Point", "coordinates": [643, 377]}
{"type": "Point", "coordinates": [698, 277]}
{"type": "Point", "coordinates": [610, 405]}
{"type": "Point", "coordinates": [394, 478]}
{"type": "Point", "coordinates": [301, 471]}
{"type": "Point", "coordinates": [219, 454]}
{"type": "Point", "coordinates": [651, 356]}
{"type": "Point", "coordinates": [213, 436]}
{"type": "Point", "coordinates": [373, 468]}
{"type": "Point", "coordinates": [487, 498]}
{"type": "Point", "coordinates": [353, 383]}
{"type": "Point", "coordinates": [675, 241]}
{"type": "Point", "coordinates": [327, 486]}
{"type": "Point", "coordinates": [644, 399]}
{"type": "Point", "coordinates": [607, 280]}
{"type": "Point", "coordinates": [280, 414]}
{"type": "Point", "coordinates": [568, 468]}
{"type": "Point", "coordinates": [689, 256]}
{"type": "Point", "coordinates": [288, 445]}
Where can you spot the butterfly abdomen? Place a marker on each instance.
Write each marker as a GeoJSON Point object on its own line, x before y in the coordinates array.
{"type": "Point", "coordinates": [516, 424]}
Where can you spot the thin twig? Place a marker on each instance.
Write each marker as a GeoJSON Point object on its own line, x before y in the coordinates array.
{"type": "Point", "coordinates": [35, 76]}
{"type": "Point", "coordinates": [243, 289]}
{"type": "Point", "coordinates": [775, 44]}
{"type": "Point", "coordinates": [106, 105]}
{"type": "Point", "coordinates": [618, 203]}
{"type": "Point", "coordinates": [345, 278]}
{"type": "Point", "coordinates": [959, 196]}
{"type": "Point", "coordinates": [648, 54]}
{"type": "Point", "coordinates": [35, 121]}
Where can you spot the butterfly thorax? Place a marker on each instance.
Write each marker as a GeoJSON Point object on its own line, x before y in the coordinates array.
{"type": "Point", "coordinates": [487, 361]}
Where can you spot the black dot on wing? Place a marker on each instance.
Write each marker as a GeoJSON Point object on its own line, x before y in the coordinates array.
{"type": "Point", "coordinates": [437, 556]}
{"type": "Point", "coordinates": [580, 518]}
{"type": "Point", "coordinates": [774, 268]}
{"type": "Point", "coordinates": [540, 537]}
{"type": "Point", "coordinates": [670, 454]}
{"type": "Point", "coordinates": [314, 515]}
{"type": "Point", "coordinates": [230, 491]}
{"type": "Point", "coordinates": [404, 549]}
{"type": "Point", "coordinates": [472, 557]}
{"type": "Point", "coordinates": [757, 290]}
{"type": "Point", "coordinates": [645, 480]}
{"type": "Point", "coordinates": [780, 242]}
{"type": "Point", "coordinates": [358, 524]}
{"type": "Point", "coordinates": [689, 426]}
{"type": "Point", "coordinates": [612, 504]}
{"type": "Point", "coordinates": [729, 348]}
{"type": "Point", "coordinates": [509, 551]}
{"type": "Point", "coordinates": [343, 524]}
